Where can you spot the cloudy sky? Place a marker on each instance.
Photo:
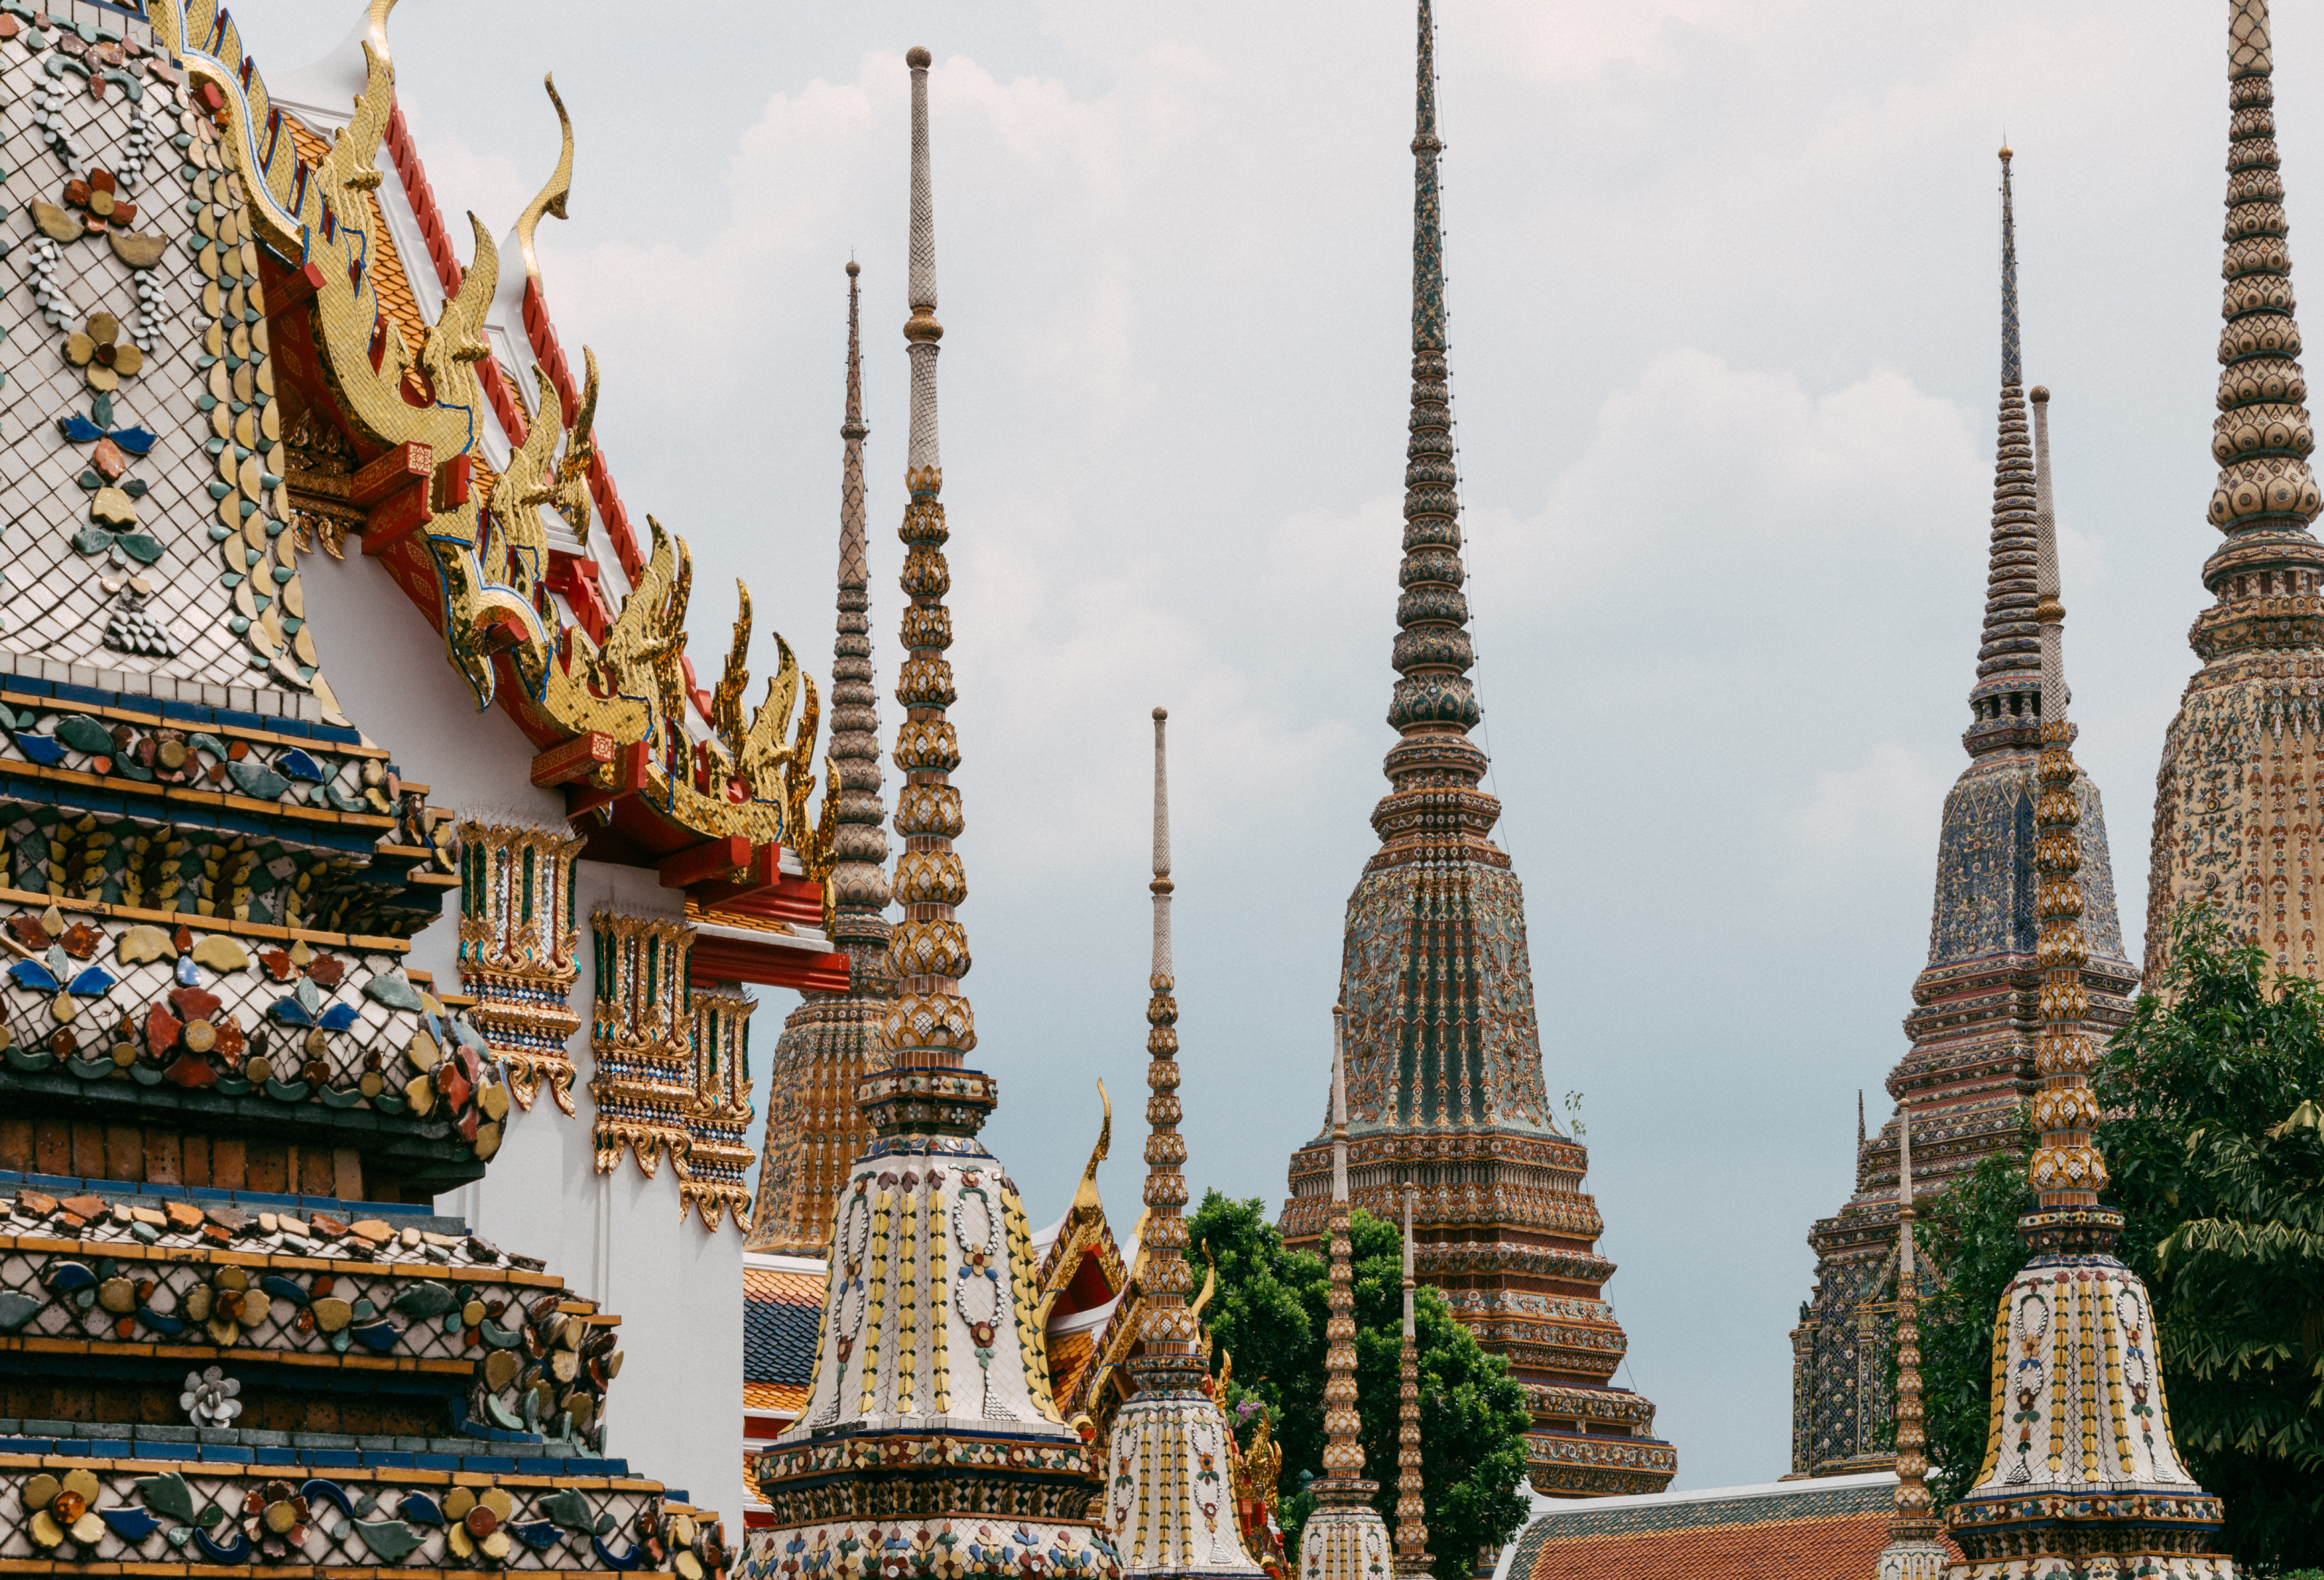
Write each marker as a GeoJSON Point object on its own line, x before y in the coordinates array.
{"type": "Point", "coordinates": [1724, 292]}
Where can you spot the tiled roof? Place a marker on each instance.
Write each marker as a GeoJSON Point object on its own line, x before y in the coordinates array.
{"type": "Point", "coordinates": [781, 1312]}
{"type": "Point", "coordinates": [1069, 1354]}
{"type": "Point", "coordinates": [781, 1398]}
{"type": "Point", "coordinates": [1828, 1530]}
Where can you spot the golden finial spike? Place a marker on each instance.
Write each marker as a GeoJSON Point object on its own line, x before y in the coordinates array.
{"type": "Point", "coordinates": [551, 199]}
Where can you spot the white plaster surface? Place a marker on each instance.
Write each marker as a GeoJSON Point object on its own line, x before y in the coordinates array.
{"type": "Point", "coordinates": [616, 1238]}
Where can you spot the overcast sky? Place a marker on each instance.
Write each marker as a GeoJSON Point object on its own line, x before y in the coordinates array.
{"type": "Point", "coordinates": [1724, 291]}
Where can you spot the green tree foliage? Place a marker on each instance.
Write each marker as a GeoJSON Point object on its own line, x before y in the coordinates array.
{"type": "Point", "coordinates": [2211, 1137]}
{"type": "Point", "coordinates": [1269, 1312]}
{"type": "Point", "coordinates": [2218, 1167]}
{"type": "Point", "coordinates": [1968, 1234]}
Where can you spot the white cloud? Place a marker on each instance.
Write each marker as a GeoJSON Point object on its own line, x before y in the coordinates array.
{"type": "Point", "coordinates": [1878, 815]}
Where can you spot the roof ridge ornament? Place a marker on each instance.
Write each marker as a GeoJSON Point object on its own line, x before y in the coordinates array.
{"type": "Point", "coordinates": [551, 199]}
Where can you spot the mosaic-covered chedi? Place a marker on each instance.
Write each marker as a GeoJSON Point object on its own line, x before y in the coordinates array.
{"type": "Point", "coordinates": [930, 1440]}
{"type": "Point", "coordinates": [1970, 1073]}
{"type": "Point", "coordinates": [831, 1041]}
{"type": "Point", "coordinates": [300, 943]}
{"type": "Point", "coordinates": [2236, 801]}
{"type": "Point", "coordinates": [2079, 1475]}
{"type": "Point", "coordinates": [1444, 1069]}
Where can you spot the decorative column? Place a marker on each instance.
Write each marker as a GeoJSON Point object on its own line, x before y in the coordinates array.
{"type": "Point", "coordinates": [642, 1039]}
{"type": "Point", "coordinates": [1913, 1551]}
{"type": "Point", "coordinates": [1345, 1538]}
{"type": "Point", "coordinates": [1167, 1500]}
{"type": "Point", "coordinates": [519, 940]}
{"type": "Point", "coordinates": [718, 1153]}
{"type": "Point", "coordinates": [1413, 1559]}
{"type": "Point", "coordinates": [2079, 1470]}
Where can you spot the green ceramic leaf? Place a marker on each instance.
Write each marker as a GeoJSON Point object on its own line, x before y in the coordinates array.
{"type": "Point", "coordinates": [168, 1494]}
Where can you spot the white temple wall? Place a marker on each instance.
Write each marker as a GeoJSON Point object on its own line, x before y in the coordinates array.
{"type": "Point", "coordinates": [615, 1237]}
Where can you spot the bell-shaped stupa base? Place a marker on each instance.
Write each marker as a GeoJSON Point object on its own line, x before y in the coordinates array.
{"type": "Point", "coordinates": [1913, 1560]}
{"type": "Point", "coordinates": [2080, 1477]}
{"type": "Point", "coordinates": [1345, 1538]}
{"type": "Point", "coordinates": [1168, 1499]}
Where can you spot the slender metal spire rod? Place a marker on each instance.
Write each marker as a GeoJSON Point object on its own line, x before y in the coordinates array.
{"type": "Point", "coordinates": [1914, 1520]}
{"type": "Point", "coordinates": [1343, 1452]}
{"type": "Point", "coordinates": [2067, 1169]}
{"type": "Point", "coordinates": [1413, 1559]}
{"type": "Point", "coordinates": [1170, 1357]}
{"type": "Point", "coordinates": [930, 1024]}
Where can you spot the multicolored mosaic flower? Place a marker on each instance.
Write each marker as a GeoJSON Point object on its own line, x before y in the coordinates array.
{"type": "Point", "coordinates": [102, 207]}
{"type": "Point", "coordinates": [63, 1509]}
{"type": "Point", "coordinates": [274, 1516]}
{"type": "Point", "coordinates": [103, 356]}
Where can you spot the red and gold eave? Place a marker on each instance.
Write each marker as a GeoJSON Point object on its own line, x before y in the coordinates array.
{"type": "Point", "coordinates": [610, 784]}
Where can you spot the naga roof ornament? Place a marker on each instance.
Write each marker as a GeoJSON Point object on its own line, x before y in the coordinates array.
{"type": "Point", "coordinates": [1443, 1050]}
{"type": "Point", "coordinates": [931, 1390]}
{"type": "Point", "coordinates": [657, 774]}
{"type": "Point", "coordinates": [2243, 750]}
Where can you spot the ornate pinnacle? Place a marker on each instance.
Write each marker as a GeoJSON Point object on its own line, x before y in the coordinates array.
{"type": "Point", "coordinates": [1914, 1520]}
{"type": "Point", "coordinates": [859, 844]}
{"type": "Point", "coordinates": [2003, 703]}
{"type": "Point", "coordinates": [1168, 1331]}
{"type": "Point", "coordinates": [930, 1025]}
{"type": "Point", "coordinates": [1343, 1452]}
{"type": "Point", "coordinates": [2067, 1169]}
{"type": "Point", "coordinates": [1434, 703]}
{"type": "Point", "coordinates": [1413, 1559]}
{"type": "Point", "coordinates": [2266, 575]}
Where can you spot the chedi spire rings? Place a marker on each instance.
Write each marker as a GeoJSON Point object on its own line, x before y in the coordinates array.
{"type": "Point", "coordinates": [2262, 436]}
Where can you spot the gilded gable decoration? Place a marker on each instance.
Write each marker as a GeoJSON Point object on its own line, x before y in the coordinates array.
{"type": "Point", "coordinates": [519, 939]}
{"type": "Point", "coordinates": [718, 1120]}
{"type": "Point", "coordinates": [642, 1088]}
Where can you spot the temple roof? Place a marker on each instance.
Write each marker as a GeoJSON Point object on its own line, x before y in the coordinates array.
{"type": "Point", "coordinates": [1829, 1528]}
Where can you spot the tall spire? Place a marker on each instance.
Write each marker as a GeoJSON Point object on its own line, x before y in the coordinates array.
{"type": "Point", "coordinates": [1913, 1551]}
{"type": "Point", "coordinates": [2002, 702]}
{"type": "Point", "coordinates": [1434, 703]}
{"type": "Point", "coordinates": [1413, 1560]}
{"type": "Point", "coordinates": [860, 846]}
{"type": "Point", "coordinates": [931, 1323]}
{"type": "Point", "coordinates": [1970, 1075]}
{"type": "Point", "coordinates": [1170, 1358]}
{"type": "Point", "coordinates": [930, 1024]}
{"type": "Point", "coordinates": [830, 1041]}
{"type": "Point", "coordinates": [1441, 1044]}
{"type": "Point", "coordinates": [2079, 1461]}
{"type": "Point", "coordinates": [1169, 1431]}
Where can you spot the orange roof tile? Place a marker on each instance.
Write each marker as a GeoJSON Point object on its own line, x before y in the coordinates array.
{"type": "Point", "coordinates": [785, 1398]}
{"type": "Point", "coordinates": [1804, 1530]}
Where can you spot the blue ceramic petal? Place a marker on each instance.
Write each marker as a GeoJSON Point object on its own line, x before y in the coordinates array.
{"type": "Point", "coordinates": [338, 1017]}
{"type": "Point", "coordinates": [42, 749]}
{"type": "Point", "coordinates": [131, 1525]}
{"type": "Point", "coordinates": [94, 982]}
{"type": "Point", "coordinates": [291, 1012]}
{"type": "Point", "coordinates": [80, 430]}
{"type": "Point", "coordinates": [135, 440]}
{"type": "Point", "coordinates": [33, 975]}
{"type": "Point", "coordinates": [295, 764]}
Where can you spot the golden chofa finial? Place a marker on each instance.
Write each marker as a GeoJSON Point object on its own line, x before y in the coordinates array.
{"type": "Point", "coordinates": [2004, 153]}
{"type": "Point", "coordinates": [2039, 395]}
{"type": "Point", "coordinates": [917, 57]}
{"type": "Point", "coordinates": [854, 268]}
